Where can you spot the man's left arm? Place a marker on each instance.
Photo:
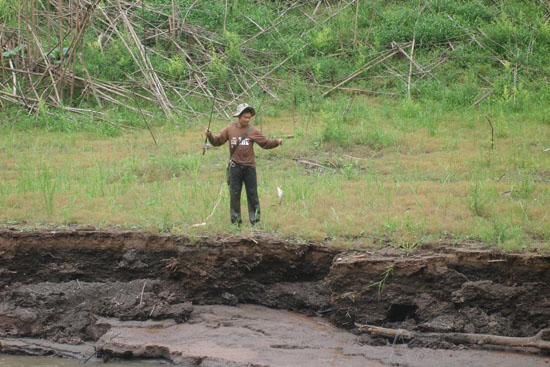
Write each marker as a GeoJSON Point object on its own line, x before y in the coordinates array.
{"type": "Point", "coordinates": [264, 142]}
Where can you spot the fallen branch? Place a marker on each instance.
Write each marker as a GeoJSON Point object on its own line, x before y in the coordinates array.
{"type": "Point", "coordinates": [311, 163]}
{"type": "Point", "coordinates": [483, 97]}
{"type": "Point", "coordinates": [538, 341]}
{"type": "Point", "coordinates": [361, 71]}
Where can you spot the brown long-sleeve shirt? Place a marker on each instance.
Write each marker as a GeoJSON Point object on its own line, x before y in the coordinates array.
{"type": "Point", "coordinates": [244, 155]}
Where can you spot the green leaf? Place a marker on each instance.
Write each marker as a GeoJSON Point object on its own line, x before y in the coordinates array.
{"type": "Point", "coordinates": [12, 52]}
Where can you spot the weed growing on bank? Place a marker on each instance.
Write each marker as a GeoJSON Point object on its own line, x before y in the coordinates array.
{"type": "Point", "coordinates": [358, 172]}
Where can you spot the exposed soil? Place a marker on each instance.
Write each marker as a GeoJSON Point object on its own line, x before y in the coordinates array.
{"type": "Point", "coordinates": [60, 285]}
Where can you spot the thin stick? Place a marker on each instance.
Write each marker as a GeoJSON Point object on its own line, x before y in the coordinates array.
{"type": "Point", "coordinates": [492, 133]}
{"type": "Point", "coordinates": [61, 40]}
{"type": "Point", "coordinates": [14, 76]}
{"type": "Point", "coordinates": [369, 66]}
{"type": "Point", "coordinates": [483, 97]}
{"type": "Point", "coordinates": [411, 67]}
{"type": "Point", "coordinates": [293, 119]}
{"type": "Point", "coordinates": [215, 206]}
{"type": "Point", "coordinates": [142, 290]}
{"type": "Point", "coordinates": [225, 18]}
{"type": "Point", "coordinates": [46, 61]}
{"type": "Point", "coordinates": [371, 20]}
{"type": "Point", "coordinates": [145, 120]}
{"type": "Point", "coordinates": [209, 122]}
{"type": "Point", "coordinates": [356, 16]}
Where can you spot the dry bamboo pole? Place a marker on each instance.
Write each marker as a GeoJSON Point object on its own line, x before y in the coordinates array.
{"type": "Point", "coordinates": [356, 18]}
{"type": "Point", "coordinates": [409, 56]}
{"type": "Point", "coordinates": [92, 86]}
{"type": "Point", "coordinates": [274, 24]}
{"type": "Point", "coordinates": [27, 51]}
{"type": "Point", "coordinates": [48, 65]}
{"type": "Point", "coordinates": [269, 72]}
{"type": "Point", "coordinates": [361, 71]}
{"type": "Point", "coordinates": [71, 93]}
{"type": "Point", "coordinates": [189, 10]}
{"type": "Point", "coordinates": [77, 38]}
{"type": "Point", "coordinates": [61, 40]}
{"type": "Point", "coordinates": [14, 78]}
{"type": "Point", "coordinates": [317, 7]}
{"type": "Point", "coordinates": [480, 99]}
{"type": "Point", "coordinates": [429, 70]}
{"type": "Point", "coordinates": [33, 23]}
{"type": "Point", "coordinates": [225, 18]}
{"type": "Point", "coordinates": [185, 101]}
{"type": "Point", "coordinates": [144, 65]}
{"type": "Point", "coordinates": [290, 56]}
{"type": "Point", "coordinates": [172, 19]}
{"type": "Point", "coordinates": [2, 55]}
{"type": "Point", "coordinates": [19, 24]}
{"type": "Point", "coordinates": [371, 20]}
{"type": "Point", "coordinates": [410, 68]}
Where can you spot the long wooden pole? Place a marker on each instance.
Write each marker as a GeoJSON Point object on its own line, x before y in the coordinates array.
{"type": "Point", "coordinates": [60, 25]}
{"type": "Point", "coordinates": [204, 147]}
{"type": "Point", "coordinates": [356, 17]}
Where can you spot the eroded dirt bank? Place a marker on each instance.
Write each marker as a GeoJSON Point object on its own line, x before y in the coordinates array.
{"type": "Point", "coordinates": [60, 285]}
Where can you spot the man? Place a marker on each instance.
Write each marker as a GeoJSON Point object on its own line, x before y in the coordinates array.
{"type": "Point", "coordinates": [242, 166]}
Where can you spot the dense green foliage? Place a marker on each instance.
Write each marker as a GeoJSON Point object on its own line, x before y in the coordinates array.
{"type": "Point", "coordinates": [481, 44]}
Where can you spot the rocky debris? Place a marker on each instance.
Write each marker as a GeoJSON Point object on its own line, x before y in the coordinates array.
{"type": "Point", "coordinates": [67, 312]}
{"type": "Point", "coordinates": [460, 291]}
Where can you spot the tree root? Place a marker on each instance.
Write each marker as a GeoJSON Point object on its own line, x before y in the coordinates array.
{"type": "Point", "coordinates": [540, 341]}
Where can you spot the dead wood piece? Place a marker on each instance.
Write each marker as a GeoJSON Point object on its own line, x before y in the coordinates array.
{"type": "Point", "coordinates": [361, 71]}
{"type": "Point", "coordinates": [480, 99]}
{"type": "Point", "coordinates": [535, 341]}
{"type": "Point", "coordinates": [311, 163]}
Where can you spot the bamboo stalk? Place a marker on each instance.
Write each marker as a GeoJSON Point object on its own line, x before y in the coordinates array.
{"type": "Point", "coordinates": [47, 62]}
{"type": "Point", "coordinates": [410, 67]}
{"type": "Point", "coordinates": [371, 20]}
{"type": "Point", "coordinates": [361, 71]}
{"type": "Point", "coordinates": [356, 18]}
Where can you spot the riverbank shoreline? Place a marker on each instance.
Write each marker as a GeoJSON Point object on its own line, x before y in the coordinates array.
{"type": "Point", "coordinates": [76, 287]}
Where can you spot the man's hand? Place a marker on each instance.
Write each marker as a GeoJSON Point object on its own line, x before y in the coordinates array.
{"type": "Point", "coordinates": [280, 141]}
{"type": "Point", "coordinates": [208, 133]}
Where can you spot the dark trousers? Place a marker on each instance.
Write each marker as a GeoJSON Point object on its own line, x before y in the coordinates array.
{"type": "Point", "coordinates": [247, 175]}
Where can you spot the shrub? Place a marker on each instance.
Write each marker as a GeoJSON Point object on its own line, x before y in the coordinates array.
{"type": "Point", "coordinates": [324, 41]}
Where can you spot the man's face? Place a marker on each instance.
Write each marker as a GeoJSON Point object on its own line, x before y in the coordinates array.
{"type": "Point", "coordinates": [244, 118]}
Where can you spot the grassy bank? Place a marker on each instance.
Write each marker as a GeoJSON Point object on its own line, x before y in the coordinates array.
{"type": "Point", "coordinates": [358, 171]}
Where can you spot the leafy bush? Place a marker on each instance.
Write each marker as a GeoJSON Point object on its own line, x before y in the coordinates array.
{"type": "Point", "coordinates": [324, 41]}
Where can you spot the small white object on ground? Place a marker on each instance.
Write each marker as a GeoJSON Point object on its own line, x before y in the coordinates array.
{"type": "Point", "coordinates": [280, 194]}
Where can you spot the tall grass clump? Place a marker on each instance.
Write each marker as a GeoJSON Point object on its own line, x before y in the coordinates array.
{"type": "Point", "coordinates": [47, 185]}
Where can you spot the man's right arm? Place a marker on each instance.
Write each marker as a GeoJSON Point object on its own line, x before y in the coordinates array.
{"type": "Point", "coordinates": [219, 139]}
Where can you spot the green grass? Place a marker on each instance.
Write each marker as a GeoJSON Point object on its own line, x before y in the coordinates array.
{"type": "Point", "coordinates": [386, 170]}
{"type": "Point", "coordinates": [391, 176]}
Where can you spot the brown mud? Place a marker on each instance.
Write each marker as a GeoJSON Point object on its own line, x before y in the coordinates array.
{"type": "Point", "coordinates": [60, 285]}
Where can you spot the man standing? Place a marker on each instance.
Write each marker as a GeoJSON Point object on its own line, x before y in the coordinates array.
{"type": "Point", "coordinates": [242, 168]}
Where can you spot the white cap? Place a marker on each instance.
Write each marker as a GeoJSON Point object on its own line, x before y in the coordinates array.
{"type": "Point", "coordinates": [242, 108]}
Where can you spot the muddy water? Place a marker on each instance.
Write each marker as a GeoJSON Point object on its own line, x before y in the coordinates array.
{"type": "Point", "coordinates": [251, 335]}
